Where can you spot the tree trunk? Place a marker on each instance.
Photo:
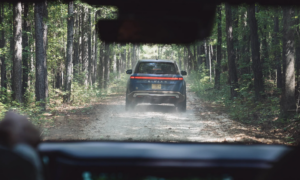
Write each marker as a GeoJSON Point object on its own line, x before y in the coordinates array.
{"type": "Point", "coordinates": [114, 68]}
{"type": "Point", "coordinates": [97, 14]}
{"type": "Point", "coordinates": [206, 54]}
{"type": "Point", "coordinates": [90, 59]}
{"type": "Point", "coordinates": [123, 57]}
{"type": "Point", "coordinates": [32, 59]}
{"type": "Point", "coordinates": [79, 66]}
{"type": "Point", "coordinates": [118, 60]}
{"type": "Point", "coordinates": [58, 77]}
{"type": "Point", "coordinates": [76, 43]}
{"type": "Point", "coordinates": [245, 51]}
{"type": "Point", "coordinates": [277, 50]}
{"type": "Point", "coordinates": [195, 61]}
{"type": "Point", "coordinates": [45, 37]}
{"type": "Point", "coordinates": [11, 48]}
{"type": "Point", "coordinates": [85, 45]}
{"type": "Point", "coordinates": [298, 57]}
{"type": "Point", "coordinates": [265, 58]}
{"type": "Point", "coordinates": [40, 11]}
{"type": "Point", "coordinates": [288, 96]}
{"type": "Point", "coordinates": [101, 65]}
{"type": "Point", "coordinates": [219, 48]}
{"type": "Point", "coordinates": [26, 50]}
{"type": "Point", "coordinates": [297, 63]}
{"type": "Point", "coordinates": [189, 59]}
{"type": "Point", "coordinates": [133, 52]}
{"type": "Point", "coordinates": [199, 53]}
{"type": "Point", "coordinates": [235, 18]}
{"type": "Point", "coordinates": [17, 54]}
{"type": "Point", "coordinates": [68, 76]}
{"type": "Point", "coordinates": [185, 58]}
{"type": "Point", "coordinates": [179, 57]}
{"type": "Point", "coordinates": [128, 57]}
{"type": "Point", "coordinates": [106, 66]}
{"type": "Point", "coordinates": [256, 62]}
{"type": "Point", "coordinates": [2, 56]}
{"type": "Point", "coordinates": [209, 61]}
{"type": "Point", "coordinates": [233, 80]}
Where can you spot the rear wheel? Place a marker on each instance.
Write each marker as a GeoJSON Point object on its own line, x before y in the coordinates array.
{"type": "Point", "coordinates": [127, 103]}
{"type": "Point", "coordinates": [182, 106]}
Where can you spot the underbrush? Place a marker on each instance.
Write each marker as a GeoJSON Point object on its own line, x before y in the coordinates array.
{"type": "Point", "coordinates": [243, 108]}
{"type": "Point", "coordinates": [264, 114]}
{"type": "Point", "coordinates": [81, 97]}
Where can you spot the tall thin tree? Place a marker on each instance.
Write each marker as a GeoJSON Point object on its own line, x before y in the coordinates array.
{"type": "Point", "coordinates": [219, 48]}
{"type": "Point", "coordinates": [68, 76]}
{"type": "Point", "coordinates": [17, 53]}
{"type": "Point", "coordinates": [277, 49]}
{"type": "Point", "coordinates": [90, 59]}
{"type": "Point", "coordinates": [256, 62]}
{"type": "Point", "coordinates": [40, 14]}
{"type": "Point", "coordinates": [76, 41]}
{"type": "Point", "coordinates": [26, 50]}
{"type": "Point", "coordinates": [233, 80]}
{"type": "Point", "coordinates": [101, 66]}
{"type": "Point", "coordinates": [84, 44]}
{"type": "Point", "coordinates": [2, 56]}
{"type": "Point", "coordinates": [288, 96]}
{"type": "Point", "coordinates": [245, 49]}
{"type": "Point", "coordinates": [106, 65]}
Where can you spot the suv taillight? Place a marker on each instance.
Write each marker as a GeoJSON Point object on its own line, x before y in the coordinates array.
{"type": "Point", "coordinates": [157, 78]}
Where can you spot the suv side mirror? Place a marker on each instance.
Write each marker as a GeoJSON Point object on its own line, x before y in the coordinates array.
{"type": "Point", "coordinates": [184, 73]}
{"type": "Point", "coordinates": [129, 71]}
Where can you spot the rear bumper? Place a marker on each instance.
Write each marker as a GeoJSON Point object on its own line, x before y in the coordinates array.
{"type": "Point", "coordinates": [173, 97]}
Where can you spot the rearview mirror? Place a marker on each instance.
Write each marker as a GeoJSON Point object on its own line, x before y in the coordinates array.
{"type": "Point", "coordinates": [147, 31]}
{"type": "Point", "coordinates": [129, 71]}
{"type": "Point", "coordinates": [179, 22]}
{"type": "Point", "coordinates": [184, 73]}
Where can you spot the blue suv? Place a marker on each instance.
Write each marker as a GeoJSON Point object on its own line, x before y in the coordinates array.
{"type": "Point", "coordinates": [156, 82]}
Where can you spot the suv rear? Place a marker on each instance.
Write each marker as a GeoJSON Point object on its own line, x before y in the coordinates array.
{"type": "Point", "coordinates": [156, 82]}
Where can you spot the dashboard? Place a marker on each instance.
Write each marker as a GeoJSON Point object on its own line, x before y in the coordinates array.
{"type": "Point", "coordinates": [157, 161]}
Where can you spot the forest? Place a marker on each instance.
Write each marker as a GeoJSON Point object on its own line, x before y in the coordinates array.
{"type": "Point", "coordinates": [250, 64]}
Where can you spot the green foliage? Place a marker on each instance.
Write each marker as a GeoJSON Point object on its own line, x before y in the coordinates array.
{"type": "Point", "coordinates": [243, 108]}
{"type": "Point", "coordinates": [117, 85]}
{"type": "Point", "coordinates": [3, 109]}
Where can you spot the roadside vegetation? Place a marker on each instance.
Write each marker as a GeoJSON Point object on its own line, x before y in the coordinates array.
{"type": "Point", "coordinates": [82, 100]}
{"type": "Point", "coordinates": [264, 115]}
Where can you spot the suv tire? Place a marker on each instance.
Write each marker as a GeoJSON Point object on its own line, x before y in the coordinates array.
{"type": "Point", "coordinates": [182, 106]}
{"type": "Point", "coordinates": [127, 103]}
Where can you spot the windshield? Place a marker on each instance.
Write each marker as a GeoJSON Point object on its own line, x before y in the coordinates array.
{"type": "Point", "coordinates": [156, 68]}
{"type": "Point", "coordinates": [240, 84]}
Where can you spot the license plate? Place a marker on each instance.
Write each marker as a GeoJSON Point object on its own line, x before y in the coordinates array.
{"type": "Point", "coordinates": [156, 86]}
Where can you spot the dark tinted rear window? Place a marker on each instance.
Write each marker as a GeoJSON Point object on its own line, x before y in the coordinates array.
{"type": "Point", "coordinates": [156, 68]}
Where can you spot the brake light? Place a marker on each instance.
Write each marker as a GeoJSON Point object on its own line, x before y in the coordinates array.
{"type": "Point", "coordinates": [157, 78]}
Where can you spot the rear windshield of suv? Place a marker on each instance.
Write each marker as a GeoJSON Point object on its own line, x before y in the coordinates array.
{"type": "Point", "coordinates": [156, 68]}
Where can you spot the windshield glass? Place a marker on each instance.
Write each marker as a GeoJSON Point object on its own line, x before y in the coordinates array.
{"type": "Point", "coordinates": [240, 84]}
{"type": "Point", "coordinates": [156, 68]}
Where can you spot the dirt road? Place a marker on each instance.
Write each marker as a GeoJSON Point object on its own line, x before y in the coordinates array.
{"type": "Point", "coordinates": [110, 121]}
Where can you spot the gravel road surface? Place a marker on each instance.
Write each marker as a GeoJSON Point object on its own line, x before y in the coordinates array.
{"type": "Point", "coordinates": [163, 122]}
{"type": "Point", "coordinates": [108, 120]}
